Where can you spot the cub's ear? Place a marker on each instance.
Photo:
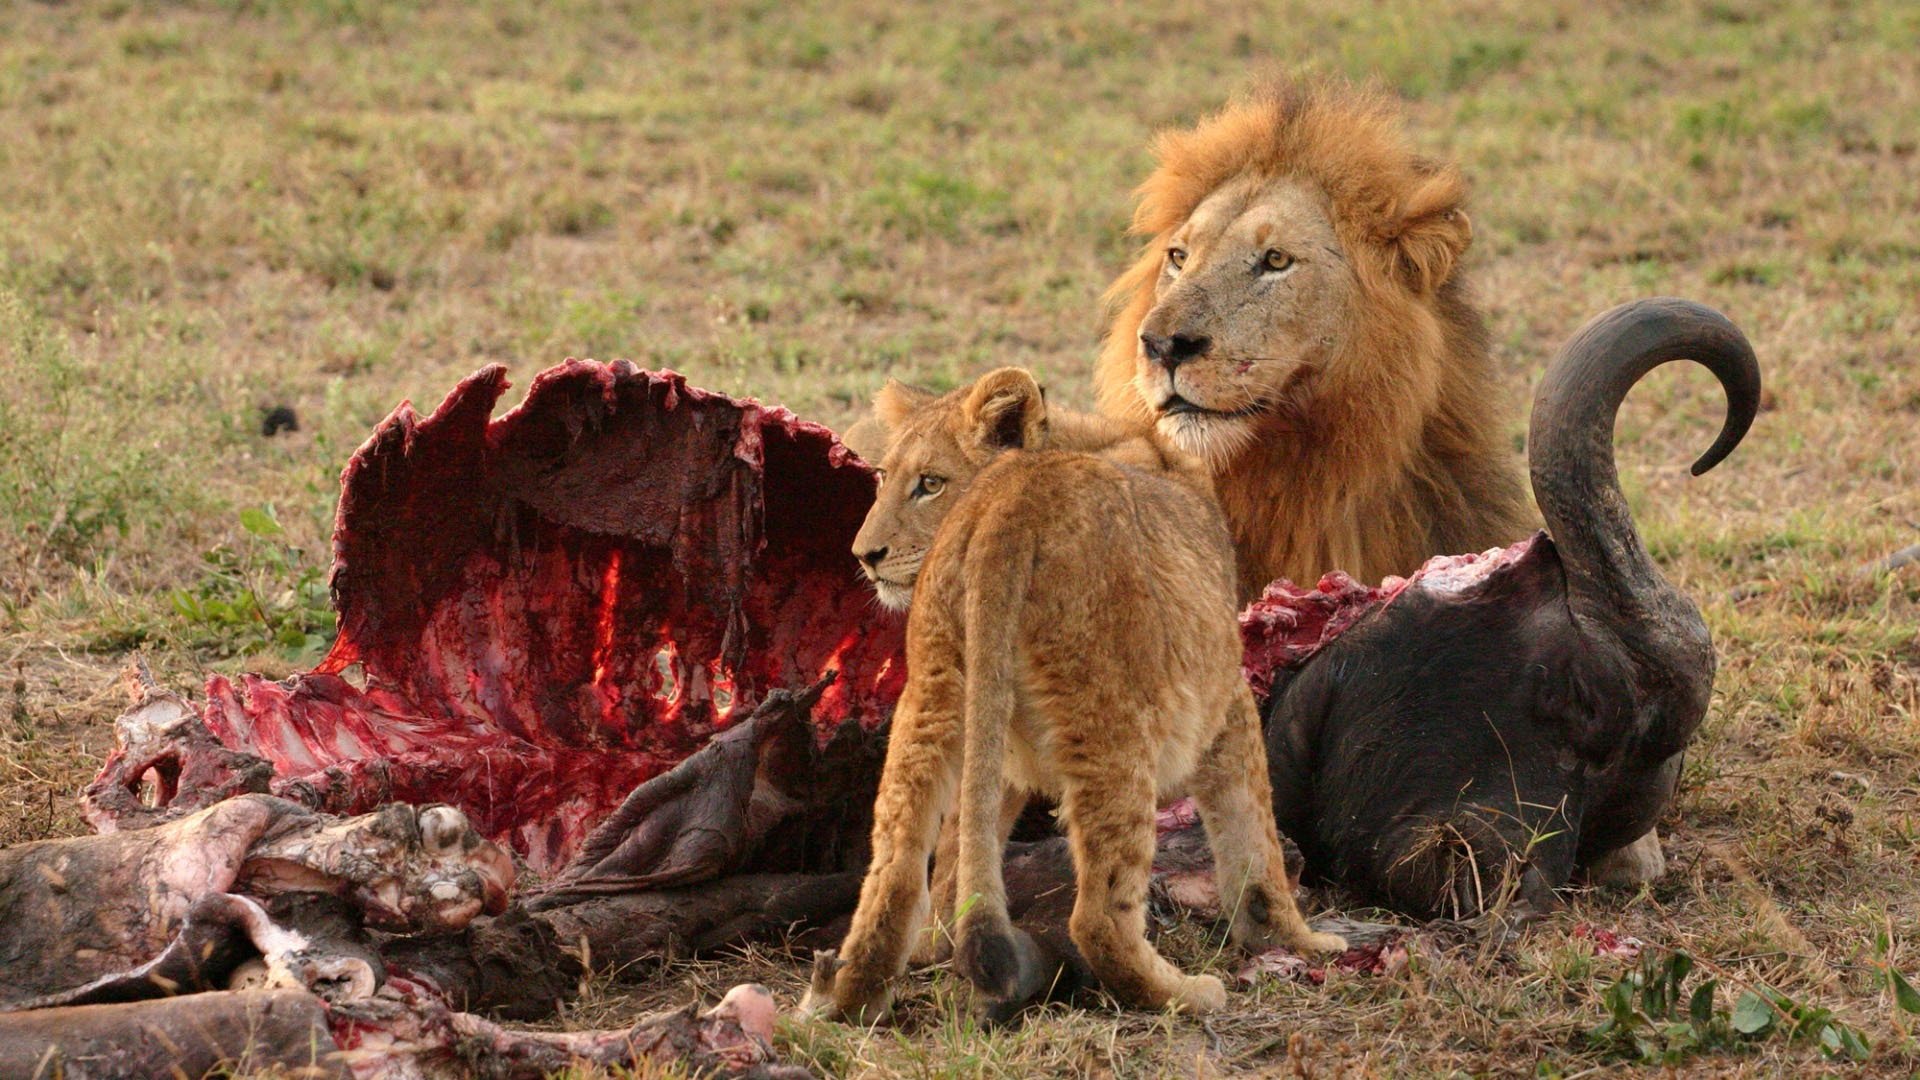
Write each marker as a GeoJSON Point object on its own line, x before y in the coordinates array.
{"type": "Point", "coordinates": [871, 435]}
{"type": "Point", "coordinates": [896, 401]}
{"type": "Point", "coordinates": [869, 438]}
{"type": "Point", "coordinates": [1432, 230]}
{"type": "Point", "coordinates": [1005, 410]}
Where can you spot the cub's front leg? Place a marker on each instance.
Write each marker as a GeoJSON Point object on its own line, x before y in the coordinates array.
{"type": "Point", "coordinates": [916, 787]}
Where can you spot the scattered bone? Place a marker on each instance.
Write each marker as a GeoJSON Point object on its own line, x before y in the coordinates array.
{"type": "Point", "coordinates": [1383, 958]}
{"type": "Point", "coordinates": [405, 1032]}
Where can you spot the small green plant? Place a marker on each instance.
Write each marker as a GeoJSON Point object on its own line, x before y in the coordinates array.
{"type": "Point", "coordinates": [1765, 1011]}
{"type": "Point", "coordinates": [262, 595]}
{"type": "Point", "coordinates": [1653, 1019]}
{"type": "Point", "coordinates": [1905, 998]}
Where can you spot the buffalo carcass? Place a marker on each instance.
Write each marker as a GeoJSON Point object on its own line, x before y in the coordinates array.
{"type": "Point", "coordinates": [1496, 722]}
{"type": "Point", "coordinates": [616, 609]}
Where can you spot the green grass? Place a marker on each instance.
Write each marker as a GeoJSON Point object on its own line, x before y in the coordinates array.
{"type": "Point", "coordinates": [210, 209]}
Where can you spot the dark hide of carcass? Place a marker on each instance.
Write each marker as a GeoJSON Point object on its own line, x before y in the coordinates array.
{"type": "Point", "coordinates": [1495, 722]}
{"type": "Point", "coordinates": [245, 1030]}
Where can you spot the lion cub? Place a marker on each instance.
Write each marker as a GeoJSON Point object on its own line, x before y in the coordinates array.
{"type": "Point", "coordinates": [1072, 632]}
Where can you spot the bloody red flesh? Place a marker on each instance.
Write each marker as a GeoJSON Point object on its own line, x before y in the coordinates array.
{"type": "Point", "coordinates": [552, 607]}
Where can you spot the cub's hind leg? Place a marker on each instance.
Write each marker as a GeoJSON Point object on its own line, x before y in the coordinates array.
{"type": "Point", "coordinates": [1108, 811]}
{"type": "Point", "coordinates": [1235, 798]}
{"type": "Point", "coordinates": [935, 946]}
{"type": "Point", "coordinates": [917, 785]}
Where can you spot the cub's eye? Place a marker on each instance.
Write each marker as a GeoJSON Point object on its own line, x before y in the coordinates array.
{"type": "Point", "coordinates": [929, 486]}
{"type": "Point", "coordinates": [1275, 260]}
{"type": "Point", "coordinates": [1176, 257]}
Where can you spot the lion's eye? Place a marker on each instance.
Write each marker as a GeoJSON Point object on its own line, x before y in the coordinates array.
{"type": "Point", "coordinates": [1176, 257]}
{"type": "Point", "coordinates": [929, 486]}
{"type": "Point", "coordinates": [1275, 260]}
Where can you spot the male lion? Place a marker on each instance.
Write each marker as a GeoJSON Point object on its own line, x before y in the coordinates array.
{"type": "Point", "coordinates": [1299, 321]}
{"type": "Point", "coordinates": [1072, 632]}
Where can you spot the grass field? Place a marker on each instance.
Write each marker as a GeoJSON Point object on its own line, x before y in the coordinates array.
{"type": "Point", "coordinates": [211, 209]}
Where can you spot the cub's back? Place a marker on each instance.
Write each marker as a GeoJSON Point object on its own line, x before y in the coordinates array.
{"type": "Point", "coordinates": [1099, 532]}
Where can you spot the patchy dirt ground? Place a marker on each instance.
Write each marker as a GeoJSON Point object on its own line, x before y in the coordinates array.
{"type": "Point", "coordinates": [210, 210]}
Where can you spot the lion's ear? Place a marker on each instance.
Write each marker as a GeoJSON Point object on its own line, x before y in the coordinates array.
{"type": "Point", "coordinates": [896, 401]}
{"type": "Point", "coordinates": [1006, 410]}
{"type": "Point", "coordinates": [1432, 231]}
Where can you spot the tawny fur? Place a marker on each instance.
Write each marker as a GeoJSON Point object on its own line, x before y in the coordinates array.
{"type": "Point", "coordinates": [1355, 421]}
{"type": "Point", "coordinates": [1072, 633]}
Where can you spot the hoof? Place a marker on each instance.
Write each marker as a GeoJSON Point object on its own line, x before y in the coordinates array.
{"type": "Point", "coordinates": [818, 1000]}
{"type": "Point", "coordinates": [998, 959]}
{"type": "Point", "coordinates": [834, 993]}
{"type": "Point", "coordinates": [1636, 864]}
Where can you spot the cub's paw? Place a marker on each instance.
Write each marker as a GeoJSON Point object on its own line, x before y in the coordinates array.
{"type": "Point", "coordinates": [1314, 941]}
{"type": "Point", "coordinates": [1200, 994]}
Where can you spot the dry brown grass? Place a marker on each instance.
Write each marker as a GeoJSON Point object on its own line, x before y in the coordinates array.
{"type": "Point", "coordinates": [211, 208]}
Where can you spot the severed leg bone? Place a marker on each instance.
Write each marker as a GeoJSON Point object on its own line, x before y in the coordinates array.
{"type": "Point", "coordinates": [519, 965]}
{"type": "Point", "coordinates": [401, 1034]}
{"type": "Point", "coordinates": [409, 869]}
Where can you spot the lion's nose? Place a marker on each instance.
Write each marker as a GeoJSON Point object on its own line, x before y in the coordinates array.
{"type": "Point", "coordinates": [1172, 350]}
{"type": "Point", "coordinates": [873, 557]}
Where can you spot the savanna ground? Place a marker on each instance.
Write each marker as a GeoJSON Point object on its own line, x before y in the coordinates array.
{"type": "Point", "coordinates": [209, 209]}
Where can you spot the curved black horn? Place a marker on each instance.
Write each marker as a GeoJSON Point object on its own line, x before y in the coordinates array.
{"type": "Point", "coordinates": [1570, 441]}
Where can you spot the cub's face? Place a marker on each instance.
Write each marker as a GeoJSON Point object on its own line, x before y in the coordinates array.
{"type": "Point", "coordinates": [931, 449]}
{"type": "Point", "coordinates": [921, 476]}
{"type": "Point", "coordinates": [1251, 301]}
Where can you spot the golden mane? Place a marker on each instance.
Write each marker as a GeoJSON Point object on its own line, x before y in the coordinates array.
{"type": "Point", "coordinates": [1398, 455]}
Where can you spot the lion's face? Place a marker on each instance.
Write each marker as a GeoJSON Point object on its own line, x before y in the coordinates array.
{"type": "Point", "coordinates": [1250, 304]}
{"type": "Point", "coordinates": [930, 450]}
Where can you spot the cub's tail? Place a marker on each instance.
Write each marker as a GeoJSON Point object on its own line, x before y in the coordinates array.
{"type": "Point", "coordinates": [998, 958]}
